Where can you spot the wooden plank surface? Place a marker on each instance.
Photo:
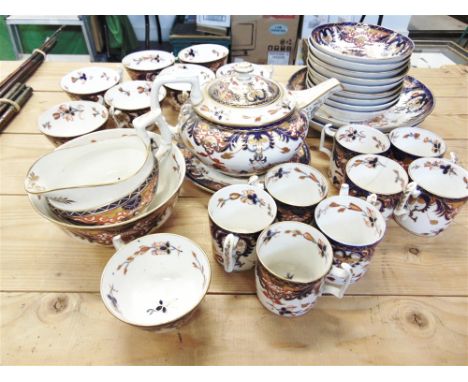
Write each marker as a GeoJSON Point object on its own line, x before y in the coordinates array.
{"type": "Point", "coordinates": [411, 307]}
{"type": "Point", "coordinates": [71, 328]}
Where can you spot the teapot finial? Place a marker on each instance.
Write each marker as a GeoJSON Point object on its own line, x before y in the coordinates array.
{"type": "Point", "coordinates": [243, 69]}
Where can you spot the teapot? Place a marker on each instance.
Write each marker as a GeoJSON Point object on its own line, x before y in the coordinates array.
{"type": "Point", "coordinates": [242, 124]}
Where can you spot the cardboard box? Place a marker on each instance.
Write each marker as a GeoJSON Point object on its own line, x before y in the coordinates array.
{"type": "Point", "coordinates": [309, 22]}
{"type": "Point", "coordinates": [264, 39]}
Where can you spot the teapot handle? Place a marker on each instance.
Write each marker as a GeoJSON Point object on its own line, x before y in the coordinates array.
{"type": "Point", "coordinates": [196, 96]}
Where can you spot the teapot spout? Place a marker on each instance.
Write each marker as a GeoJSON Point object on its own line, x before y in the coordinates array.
{"type": "Point", "coordinates": [313, 98]}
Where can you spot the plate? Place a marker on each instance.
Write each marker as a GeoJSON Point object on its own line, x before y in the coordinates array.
{"type": "Point", "coordinates": [211, 180]}
{"type": "Point", "coordinates": [90, 80]}
{"type": "Point", "coordinates": [415, 104]}
{"type": "Point", "coordinates": [358, 42]}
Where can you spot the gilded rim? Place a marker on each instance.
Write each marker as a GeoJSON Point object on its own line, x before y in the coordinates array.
{"type": "Point", "coordinates": [205, 291]}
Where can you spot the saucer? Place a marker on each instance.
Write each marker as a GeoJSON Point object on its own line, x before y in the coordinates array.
{"type": "Point", "coordinates": [211, 180]}
{"type": "Point", "coordinates": [416, 102]}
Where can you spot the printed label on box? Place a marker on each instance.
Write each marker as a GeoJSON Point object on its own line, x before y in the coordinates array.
{"type": "Point", "coordinates": [278, 58]}
{"type": "Point", "coordinates": [278, 29]}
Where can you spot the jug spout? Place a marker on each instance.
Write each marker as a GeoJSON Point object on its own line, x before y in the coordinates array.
{"type": "Point", "coordinates": [314, 97]}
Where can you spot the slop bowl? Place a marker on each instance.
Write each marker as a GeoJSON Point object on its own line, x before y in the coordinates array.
{"type": "Point", "coordinates": [171, 176]}
{"type": "Point", "coordinates": [155, 282]}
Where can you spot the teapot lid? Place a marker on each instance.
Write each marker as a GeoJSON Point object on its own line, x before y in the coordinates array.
{"type": "Point", "coordinates": [245, 99]}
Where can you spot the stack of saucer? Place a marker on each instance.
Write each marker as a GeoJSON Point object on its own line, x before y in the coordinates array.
{"type": "Point", "coordinates": [370, 61]}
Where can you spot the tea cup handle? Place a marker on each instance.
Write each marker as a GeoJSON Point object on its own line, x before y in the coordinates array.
{"type": "Point", "coordinates": [372, 199]}
{"type": "Point", "coordinates": [117, 242]}
{"type": "Point", "coordinates": [411, 190]}
{"type": "Point", "coordinates": [229, 250]}
{"type": "Point", "coordinates": [344, 189]}
{"type": "Point", "coordinates": [454, 157]}
{"type": "Point", "coordinates": [254, 180]}
{"type": "Point", "coordinates": [345, 273]}
{"type": "Point", "coordinates": [326, 131]}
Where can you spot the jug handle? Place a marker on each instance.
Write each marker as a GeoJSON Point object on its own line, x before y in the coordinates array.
{"type": "Point", "coordinates": [196, 96]}
{"type": "Point", "coordinates": [326, 131]}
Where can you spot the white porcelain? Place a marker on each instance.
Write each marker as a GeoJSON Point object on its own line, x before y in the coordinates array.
{"type": "Point", "coordinates": [375, 174]}
{"type": "Point", "coordinates": [348, 79]}
{"type": "Point", "coordinates": [440, 191]}
{"type": "Point", "coordinates": [349, 115]}
{"type": "Point", "coordinates": [155, 281]}
{"type": "Point", "coordinates": [245, 124]}
{"type": "Point", "coordinates": [159, 210]}
{"type": "Point", "coordinates": [355, 66]}
{"type": "Point", "coordinates": [131, 95]}
{"type": "Point", "coordinates": [354, 227]}
{"type": "Point", "coordinates": [349, 141]}
{"type": "Point", "coordinates": [346, 71]}
{"type": "Point", "coordinates": [311, 82]}
{"type": "Point", "coordinates": [71, 119]}
{"type": "Point", "coordinates": [148, 60]}
{"type": "Point", "coordinates": [318, 77]}
{"type": "Point", "coordinates": [415, 142]}
{"type": "Point", "coordinates": [99, 182]}
{"type": "Point", "coordinates": [259, 70]}
{"type": "Point", "coordinates": [294, 262]}
{"type": "Point", "coordinates": [238, 214]}
{"type": "Point", "coordinates": [388, 100]}
{"type": "Point", "coordinates": [204, 75]}
{"type": "Point", "coordinates": [415, 104]}
{"type": "Point", "coordinates": [203, 53]}
{"type": "Point", "coordinates": [297, 188]}
{"type": "Point", "coordinates": [90, 80]}
{"type": "Point", "coordinates": [358, 42]}
{"type": "Point", "coordinates": [211, 180]}
{"type": "Point", "coordinates": [361, 108]}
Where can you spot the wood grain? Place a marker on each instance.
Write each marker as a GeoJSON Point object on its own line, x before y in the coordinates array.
{"type": "Point", "coordinates": [71, 328]}
{"type": "Point", "coordinates": [49, 260]}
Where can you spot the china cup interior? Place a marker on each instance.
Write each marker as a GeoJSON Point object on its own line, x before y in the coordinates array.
{"type": "Point", "coordinates": [362, 139]}
{"type": "Point", "coordinates": [204, 74]}
{"type": "Point", "coordinates": [203, 53]}
{"type": "Point", "coordinates": [148, 60]}
{"type": "Point", "coordinates": [242, 208]}
{"type": "Point", "coordinates": [296, 184]}
{"type": "Point", "coordinates": [418, 142]}
{"type": "Point", "coordinates": [294, 251]}
{"type": "Point", "coordinates": [349, 220]}
{"type": "Point", "coordinates": [440, 177]}
{"type": "Point", "coordinates": [90, 80]}
{"type": "Point", "coordinates": [155, 280]}
{"type": "Point", "coordinates": [377, 174]}
{"type": "Point", "coordinates": [169, 182]}
{"type": "Point", "coordinates": [131, 95]}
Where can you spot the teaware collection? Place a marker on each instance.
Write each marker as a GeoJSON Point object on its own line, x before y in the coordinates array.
{"type": "Point", "coordinates": [242, 136]}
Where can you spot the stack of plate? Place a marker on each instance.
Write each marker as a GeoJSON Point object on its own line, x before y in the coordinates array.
{"type": "Point", "coordinates": [370, 61]}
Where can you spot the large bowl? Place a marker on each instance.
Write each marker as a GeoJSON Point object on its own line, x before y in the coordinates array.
{"type": "Point", "coordinates": [377, 74]}
{"type": "Point", "coordinates": [172, 172]}
{"type": "Point", "coordinates": [359, 66]}
{"type": "Point", "coordinates": [155, 282]}
{"type": "Point", "coordinates": [357, 42]}
{"type": "Point", "coordinates": [359, 78]}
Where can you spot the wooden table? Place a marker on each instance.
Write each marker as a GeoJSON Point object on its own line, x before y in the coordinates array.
{"type": "Point", "coordinates": [411, 307]}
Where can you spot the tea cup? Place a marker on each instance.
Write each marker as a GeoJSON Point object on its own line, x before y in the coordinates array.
{"type": "Point", "coordinates": [440, 190]}
{"type": "Point", "coordinates": [212, 56]}
{"type": "Point", "coordinates": [410, 143]}
{"type": "Point", "coordinates": [145, 65]}
{"type": "Point", "coordinates": [354, 228]}
{"type": "Point", "coordinates": [128, 100]}
{"type": "Point", "coordinates": [237, 215]}
{"type": "Point", "coordinates": [376, 174]}
{"type": "Point", "coordinates": [349, 141]}
{"type": "Point", "coordinates": [297, 189]}
{"type": "Point", "coordinates": [294, 261]}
